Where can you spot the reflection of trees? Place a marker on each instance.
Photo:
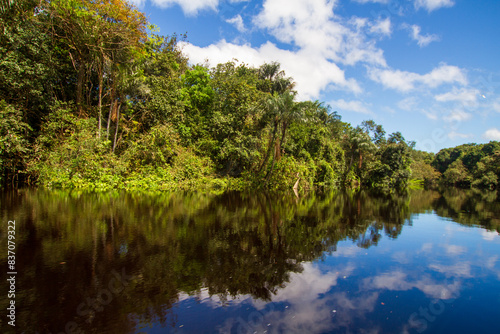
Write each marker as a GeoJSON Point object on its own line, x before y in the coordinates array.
{"type": "Point", "coordinates": [471, 207]}
{"type": "Point", "coordinates": [231, 244]}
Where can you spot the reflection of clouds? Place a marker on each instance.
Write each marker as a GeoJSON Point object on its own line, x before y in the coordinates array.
{"type": "Point", "coordinates": [203, 296]}
{"type": "Point", "coordinates": [462, 269]}
{"type": "Point", "coordinates": [401, 257]}
{"type": "Point", "coordinates": [489, 235]}
{"type": "Point", "coordinates": [454, 249]}
{"type": "Point", "coordinates": [309, 306]}
{"type": "Point", "coordinates": [399, 281]}
{"type": "Point", "coordinates": [306, 286]}
{"type": "Point", "coordinates": [427, 247]}
{"type": "Point", "coordinates": [390, 281]}
{"type": "Point", "coordinates": [348, 251]}
{"type": "Point", "coordinates": [490, 263]}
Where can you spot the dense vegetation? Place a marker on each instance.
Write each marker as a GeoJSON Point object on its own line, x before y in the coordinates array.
{"type": "Point", "coordinates": [92, 97]}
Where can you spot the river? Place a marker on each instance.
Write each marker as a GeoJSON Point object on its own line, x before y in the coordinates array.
{"type": "Point", "coordinates": [426, 261]}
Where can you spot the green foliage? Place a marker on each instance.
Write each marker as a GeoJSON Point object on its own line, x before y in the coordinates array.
{"type": "Point", "coordinates": [91, 101]}
{"type": "Point", "coordinates": [286, 173]}
{"type": "Point", "coordinates": [157, 148]}
{"type": "Point", "coordinates": [392, 168]}
{"type": "Point", "coordinates": [420, 170]}
{"type": "Point", "coordinates": [14, 146]}
{"type": "Point", "coordinates": [470, 165]}
{"type": "Point", "coordinates": [69, 154]}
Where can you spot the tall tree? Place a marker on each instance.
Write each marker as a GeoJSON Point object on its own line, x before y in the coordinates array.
{"type": "Point", "coordinates": [102, 36]}
{"type": "Point", "coordinates": [273, 79]}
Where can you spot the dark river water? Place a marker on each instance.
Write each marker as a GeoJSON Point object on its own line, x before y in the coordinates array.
{"type": "Point", "coordinates": [342, 262]}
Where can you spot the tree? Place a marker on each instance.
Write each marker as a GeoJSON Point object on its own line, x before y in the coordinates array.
{"type": "Point", "coordinates": [100, 35]}
{"type": "Point", "coordinates": [377, 131]}
{"type": "Point", "coordinates": [392, 169]}
{"type": "Point", "coordinates": [14, 146]}
{"type": "Point", "coordinates": [236, 124]}
{"type": "Point", "coordinates": [273, 79]}
{"type": "Point", "coordinates": [283, 110]}
{"type": "Point", "coordinates": [357, 143]}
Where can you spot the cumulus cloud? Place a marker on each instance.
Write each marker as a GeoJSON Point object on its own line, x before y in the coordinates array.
{"type": "Point", "coordinates": [320, 43]}
{"type": "Point", "coordinates": [404, 81]}
{"type": "Point", "coordinates": [312, 25]}
{"type": "Point", "coordinates": [492, 134]}
{"type": "Point", "coordinates": [399, 281]}
{"type": "Point", "coordinates": [189, 7]}
{"type": "Point", "coordinates": [421, 39]}
{"type": "Point", "coordinates": [463, 95]}
{"type": "Point", "coordinates": [431, 5]}
{"type": "Point", "coordinates": [496, 105]}
{"type": "Point", "coordinates": [372, 1]}
{"type": "Point", "coordinates": [408, 104]}
{"type": "Point", "coordinates": [382, 27]}
{"type": "Point", "coordinates": [457, 116]}
{"type": "Point", "coordinates": [138, 3]}
{"type": "Point", "coordinates": [306, 311]}
{"type": "Point", "coordinates": [237, 21]}
{"type": "Point", "coordinates": [311, 72]}
{"type": "Point", "coordinates": [489, 235]}
{"type": "Point", "coordinates": [355, 106]}
{"type": "Point", "coordinates": [454, 135]}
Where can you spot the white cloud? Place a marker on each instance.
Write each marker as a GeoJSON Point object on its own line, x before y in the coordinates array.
{"type": "Point", "coordinates": [489, 235]}
{"type": "Point", "coordinates": [462, 269]}
{"type": "Point", "coordinates": [348, 251]}
{"type": "Point", "coordinates": [457, 116]}
{"type": "Point", "coordinates": [454, 135]}
{"type": "Point", "coordinates": [372, 1]}
{"type": "Point", "coordinates": [311, 72]}
{"type": "Point", "coordinates": [237, 21]}
{"type": "Point", "coordinates": [492, 134]}
{"type": "Point", "coordinates": [496, 105]}
{"type": "Point", "coordinates": [432, 115]}
{"type": "Point", "coordinates": [463, 95]}
{"type": "Point", "coordinates": [313, 26]}
{"type": "Point", "coordinates": [356, 106]}
{"type": "Point", "coordinates": [399, 281]}
{"type": "Point", "coordinates": [408, 104]}
{"type": "Point", "coordinates": [382, 27]}
{"type": "Point", "coordinates": [308, 305]}
{"type": "Point", "coordinates": [320, 42]}
{"type": "Point", "coordinates": [189, 7]}
{"type": "Point", "coordinates": [405, 81]}
{"type": "Point", "coordinates": [431, 5]}
{"type": "Point", "coordinates": [137, 3]}
{"type": "Point", "coordinates": [420, 39]}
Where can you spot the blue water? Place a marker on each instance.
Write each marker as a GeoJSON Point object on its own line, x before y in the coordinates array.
{"type": "Point", "coordinates": [436, 277]}
{"type": "Point", "coordinates": [343, 262]}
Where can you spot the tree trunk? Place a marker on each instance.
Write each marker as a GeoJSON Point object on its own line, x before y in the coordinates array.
{"type": "Point", "coordinates": [111, 109]}
{"type": "Point", "coordinates": [99, 105]}
{"type": "Point", "coordinates": [269, 147]}
{"type": "Point", "coordinates": [117, 125]}
{"type": "Point", "coordinates": [282, 140]}
{"type": "Point", "coordinates": [113, 104]}
{"type": "Point", "coordinates": [270, 172]}
{"type": "Point", "coordinates": [79, 88]}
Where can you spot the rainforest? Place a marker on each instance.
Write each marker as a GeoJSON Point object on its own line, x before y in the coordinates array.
{"type": "Point", "coordinates": [93, 97]}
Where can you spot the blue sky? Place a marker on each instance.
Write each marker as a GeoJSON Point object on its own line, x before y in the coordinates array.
{"type": "Point", "coordinates": [427, 68]}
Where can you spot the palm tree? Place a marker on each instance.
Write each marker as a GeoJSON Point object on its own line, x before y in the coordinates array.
{"type": "Point", "coordinates": [273, 79]}
{"type": "Point", "coordinates": [358, 143]}
{"type": "Point", "coordinates": [283, 111]}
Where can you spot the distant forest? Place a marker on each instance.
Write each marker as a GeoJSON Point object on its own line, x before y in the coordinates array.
{"type": "Point", "coordinates": [93, 98]}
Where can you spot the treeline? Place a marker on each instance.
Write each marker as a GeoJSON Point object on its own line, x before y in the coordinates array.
{"type": "Point", "coordinates": [92, 97]}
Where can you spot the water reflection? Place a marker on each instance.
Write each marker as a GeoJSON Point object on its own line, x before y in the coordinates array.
{"type": "Point", "coordinates": [238, 263]}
